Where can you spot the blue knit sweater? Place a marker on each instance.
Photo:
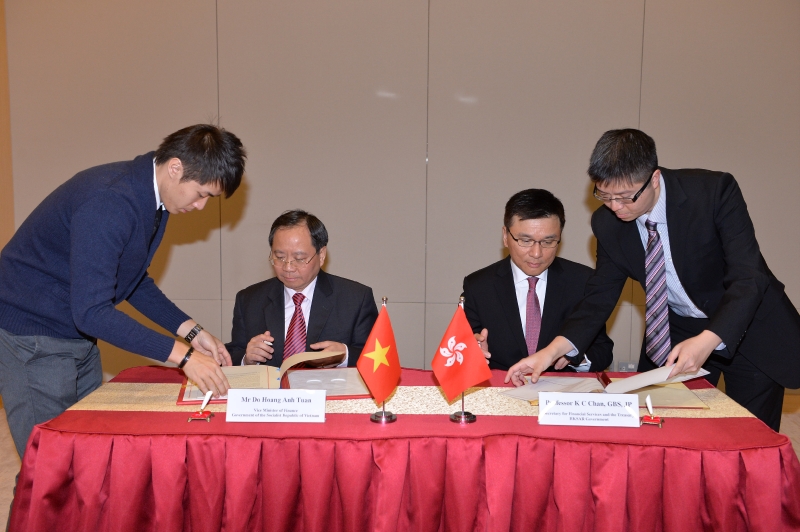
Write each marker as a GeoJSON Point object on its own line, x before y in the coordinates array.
{"type": "Point", "coordinates": [84, 249]}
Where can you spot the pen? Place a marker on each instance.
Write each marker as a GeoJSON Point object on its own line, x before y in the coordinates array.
{"type": "Point", "coordinates": [206, 399]}
{"type": "Point", "coordinates": [268, 343]}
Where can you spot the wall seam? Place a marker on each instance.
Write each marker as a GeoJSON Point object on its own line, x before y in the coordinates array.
{"type": "Point", "coordinates": [219, 123]}
{"type": "Point", "coordinates": [427, 136]}
{"type": "Point", "coordinates": [641, 65]}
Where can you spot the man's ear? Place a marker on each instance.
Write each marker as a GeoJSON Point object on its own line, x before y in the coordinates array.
{"type": "Point", "coordinates": [175, 168]}
{"type": "Point", "coordinates": [323, 252]}
{"type": "Point", "coordinates": [656, 180]}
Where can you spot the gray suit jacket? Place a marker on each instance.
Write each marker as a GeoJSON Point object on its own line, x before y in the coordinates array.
{"type": "Point", "coordinates": [341, 311]}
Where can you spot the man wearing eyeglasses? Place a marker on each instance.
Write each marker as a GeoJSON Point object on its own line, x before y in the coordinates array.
{"type": "Point", "coordinates": [519, 304]}
{"type": "Point", "coordinates": [712, 302]}
{"type": "Point", "coordinates": [302, 308]}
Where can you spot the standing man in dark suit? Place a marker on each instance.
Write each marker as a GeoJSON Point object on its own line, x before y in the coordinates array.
{"type": "Point", "coordinates": [499, 298]}
{"type": "Point", "coordinates": [302, 308]}
{"type": "Point", "coordinates": [712, 302]}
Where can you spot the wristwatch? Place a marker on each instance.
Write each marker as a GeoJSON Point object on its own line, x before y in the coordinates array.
{"type": "Point", "coordinates": [186, 358]}
{"type": "Point", "coordinates": [194, 332]}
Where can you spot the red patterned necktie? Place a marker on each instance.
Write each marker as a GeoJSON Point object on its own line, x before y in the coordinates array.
{"type": "Point", "coordinates": [296, 335]}
{"type": "Point", "coordinates": [533, 317]}
{"type": "Point", "coordinates": [657, 343]}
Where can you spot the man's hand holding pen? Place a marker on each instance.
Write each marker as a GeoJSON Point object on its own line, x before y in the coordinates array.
{"type": "Point", "coordinates": [259, 349]}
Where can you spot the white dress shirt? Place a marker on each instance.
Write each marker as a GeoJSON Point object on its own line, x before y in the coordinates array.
{"type": "Point", "coordinates": [159, 203]}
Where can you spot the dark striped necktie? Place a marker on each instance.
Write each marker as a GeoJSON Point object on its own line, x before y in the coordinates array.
{"type": "Point", "coordinates": [657, 342]}
{"type": "Point", "coordinates": [296, 335]}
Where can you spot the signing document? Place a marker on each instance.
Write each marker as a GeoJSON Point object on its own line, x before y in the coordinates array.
{"type": "Point", "coordinates": [257, 376]}
{"type": "Point", "coordinates": [666, 393]}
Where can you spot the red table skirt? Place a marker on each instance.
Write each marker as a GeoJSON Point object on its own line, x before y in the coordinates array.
{"type": "Point", "coordinates": [154, 471]}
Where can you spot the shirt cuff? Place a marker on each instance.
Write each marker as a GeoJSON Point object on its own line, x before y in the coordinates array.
{"type": "Point", "coordinates": [583, 366]}
{"type": "Point", "coordinates": [346, 356]}
{"type": "Point", "coordinates": [572, 354]}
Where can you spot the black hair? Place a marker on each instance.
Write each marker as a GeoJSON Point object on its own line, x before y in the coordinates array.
{"type": "Point", "coordinates": [319, 235]}
{"type": "Point", "coordinates": [533, 203]}
{"type": "Point", "coordinates": [208, 153]}
{"type": "Point", "coordinates": [623, 156]}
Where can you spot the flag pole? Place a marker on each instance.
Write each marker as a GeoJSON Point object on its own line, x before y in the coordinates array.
{"type": "Point", "coordinates": [383, 416]}
{"type": "Point", "coordinates": [462, 416]}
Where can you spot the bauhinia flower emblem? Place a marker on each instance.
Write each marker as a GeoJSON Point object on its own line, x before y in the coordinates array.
{"type": "Point", "coordinates": [453, 351]}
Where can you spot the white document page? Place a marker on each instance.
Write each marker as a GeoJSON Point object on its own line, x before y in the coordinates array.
{"type": "Point", "coordinates": [530, 392]}
{"type": "Point", "coordinates": [656, 376]}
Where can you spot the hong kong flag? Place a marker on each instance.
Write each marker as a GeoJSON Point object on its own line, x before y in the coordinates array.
{"type": "Point", "coordinates": [459, 363]}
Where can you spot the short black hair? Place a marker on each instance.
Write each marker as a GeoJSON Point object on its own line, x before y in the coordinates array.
{"type": "Point", "coordinates": [623, 156]}
{"type": "Point", "coordinates": [319, 235]}
{"type": "Point", "coordinates": [533, 203]}
{"type": "Point", "coordinates": [208, 153]}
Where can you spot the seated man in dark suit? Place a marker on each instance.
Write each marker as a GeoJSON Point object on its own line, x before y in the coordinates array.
{"type": "Point", "coordinates": [523, 299]}
{"type": "Point", "coordinates": [302, 308]}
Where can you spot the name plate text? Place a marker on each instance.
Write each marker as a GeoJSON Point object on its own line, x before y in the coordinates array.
{"type": "Point", "coordinates": [589, 409]}
{"type": "Point", "coordinates": [285, 406]}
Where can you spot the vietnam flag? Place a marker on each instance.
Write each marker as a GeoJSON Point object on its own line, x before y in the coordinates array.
{"type": "Point", "coordinates": [459, 363]}
{"type": "Point", "coordinates": [379, 364]}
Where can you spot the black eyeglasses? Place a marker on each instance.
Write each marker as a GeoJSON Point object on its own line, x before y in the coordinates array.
{"type": "Point", "coordinates": [529, 242]}
{"type": "Point", "coordinates": [606, 198]}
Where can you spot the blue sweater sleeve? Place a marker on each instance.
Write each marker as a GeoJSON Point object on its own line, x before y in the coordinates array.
{"type": "Point", "coordinates": [148, 299]}
{"type": "Point", "coordinates": [100, 230]}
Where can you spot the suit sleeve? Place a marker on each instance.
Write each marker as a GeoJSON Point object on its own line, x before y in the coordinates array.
{"type": "Point", "coordinates": [365, 319]}
{"type": "Point", "coordinates": [603, 289]}
{"type": "Point", "coordinates": [746, 276]}
{"type": "Point", "coordinates": [470, 308]}
{"type": "Point", "coordinates": [236, 347]}
{"type": "Point", "coordinates": [601, 352]}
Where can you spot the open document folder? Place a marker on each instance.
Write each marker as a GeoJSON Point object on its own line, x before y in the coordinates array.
{"type": "Point", "coordinates": [664, 393]}
{"type": "Point", "coordinates": [257, 376]}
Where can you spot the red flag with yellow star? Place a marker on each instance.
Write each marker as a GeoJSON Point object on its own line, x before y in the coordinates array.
{"type": "Point", "coordinates": [379, 364]}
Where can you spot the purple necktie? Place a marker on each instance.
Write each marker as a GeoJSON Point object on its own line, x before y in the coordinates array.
{"type": "Point", "coordinates": [533, 317]}
{"type": "Point", "coordinates": [657, 344]}
{"type": "Point", "coordinates": [296, 335]}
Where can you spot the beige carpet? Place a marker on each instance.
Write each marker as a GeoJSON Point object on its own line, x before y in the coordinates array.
{"type": "Point", "coordinates": [9, 461]}
{"type": "Point", "coordinates": [9, 467]}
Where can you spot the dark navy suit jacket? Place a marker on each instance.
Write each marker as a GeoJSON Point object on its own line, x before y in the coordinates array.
{"type": "Point", "coordinates": [341, 311]}
{"type": "Point", "coordinates": [491, 302]}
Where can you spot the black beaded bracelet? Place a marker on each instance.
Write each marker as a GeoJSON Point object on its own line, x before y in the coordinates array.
{"type": "Point", "coordinates": [186, 358]}
{"type": "Point", "coordinates": [194, 332]}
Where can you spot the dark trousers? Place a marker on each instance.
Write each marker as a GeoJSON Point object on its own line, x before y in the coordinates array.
{"type": "Point", "coordinates": [40, 377]}
{"type": "Point", "coordinates": [744, 383]}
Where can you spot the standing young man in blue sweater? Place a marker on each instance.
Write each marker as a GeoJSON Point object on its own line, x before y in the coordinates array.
{"type": "Point", "coordinates": [85, 249]}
